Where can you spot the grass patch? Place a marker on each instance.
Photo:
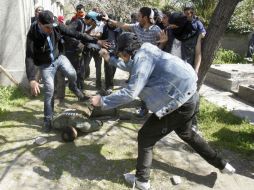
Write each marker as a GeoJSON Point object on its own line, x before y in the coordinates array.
{"type": "Point", "coordinates": [224, 130]}
{"type": "Point", "coordinates": [11, 97]}
{"type": "Point", "coordinates": [224, 56]}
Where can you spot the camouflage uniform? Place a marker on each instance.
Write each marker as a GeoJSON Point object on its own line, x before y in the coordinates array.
{"type": "Point", "coordinates": [77, 117]}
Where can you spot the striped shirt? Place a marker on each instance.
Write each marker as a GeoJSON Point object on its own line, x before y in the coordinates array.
{"type": "Point", "coordinates": [150, 35]}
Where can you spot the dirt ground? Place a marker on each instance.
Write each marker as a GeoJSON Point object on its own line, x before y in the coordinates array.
{"type": "Point", "coordinates": [98, 160]}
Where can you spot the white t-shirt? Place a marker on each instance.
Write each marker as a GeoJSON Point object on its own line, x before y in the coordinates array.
{"type": "Point", "coordinates": [176, 48]}
{"type": "Point", "coordinates": [97, 29]}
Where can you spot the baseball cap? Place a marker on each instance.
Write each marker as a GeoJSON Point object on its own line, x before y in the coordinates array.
{"type": "Point", "coordinates": [93, 15]}
{"type": "Point", "coordinates": [47, 18]}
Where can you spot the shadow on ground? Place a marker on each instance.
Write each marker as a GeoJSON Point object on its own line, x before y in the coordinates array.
{"type": "Point", "coordinates": [87, 162]}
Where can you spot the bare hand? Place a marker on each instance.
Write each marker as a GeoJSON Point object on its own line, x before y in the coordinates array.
{"type": "Point", "coordinates": [105, 54]}
{"type": "Point", "coordinates": [105, 17]}
{"type": "Point", "coordinates": [95, 100]}
{"type": "Point", "coordinates": [163, 37]}
{"type": "Point", "coordinates": [103, 43]}
{"type": "Point", "coordinates": [35, 88]}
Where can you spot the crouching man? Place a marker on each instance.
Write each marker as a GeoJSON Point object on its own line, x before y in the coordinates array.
{"type": "Point", "coordinates": [168, 86]}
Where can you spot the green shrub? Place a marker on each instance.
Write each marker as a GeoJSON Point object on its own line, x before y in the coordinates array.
{"type": "Point", "coordinates": [224, 56]}
{"type": "Point", "coordinates": [239, 21]}
{"type": "Point", "coordinates": [11, 96]}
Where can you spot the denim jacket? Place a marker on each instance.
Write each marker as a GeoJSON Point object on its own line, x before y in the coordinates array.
{"type": "Point", "coordinates": [163, 81]}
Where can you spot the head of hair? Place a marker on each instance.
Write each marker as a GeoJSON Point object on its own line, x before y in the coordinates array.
{"type": "Point", "coordinates": [145, 11]}
{"type": "Point", "coordinates": [128, 42]}
{"type": "Point", "coordinates": [79, 7]}
{"type": "Point", "coordinates": [39, 8]}
{"type": "Point", "coordinates": [167, 13]}
{"type": "Point", "coordinates": [189, 7]}
{"type": "Point", "coordinates": [134, 16]}
{"type": "Point", "coordinates": [68, 134]}
{"type": "Point", "coordinates": [148, 12]}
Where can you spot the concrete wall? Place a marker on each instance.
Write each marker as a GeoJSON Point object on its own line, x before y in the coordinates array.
{"type": "Point", "coordinates": [236, 42]}
{"type": "Point", "coordinates": [15, 20]}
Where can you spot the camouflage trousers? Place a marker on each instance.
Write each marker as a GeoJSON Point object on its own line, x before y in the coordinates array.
{"type": "Point", "coordinates": [78, 117]}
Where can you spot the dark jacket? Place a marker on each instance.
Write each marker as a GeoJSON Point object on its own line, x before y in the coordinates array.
{"type": "Point", "coordinates": [72, 44]}
{"type": "Point", "coordinates": [38, 50]}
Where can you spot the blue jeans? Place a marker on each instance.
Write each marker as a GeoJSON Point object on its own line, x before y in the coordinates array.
{"type": "Point", "coordinates": [48, 74]}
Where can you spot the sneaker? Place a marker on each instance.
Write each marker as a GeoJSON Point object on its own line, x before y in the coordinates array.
{"type": "Point", "coordinates": [141, 112]}
{"type": "Point", "coordinates": [228, 169]}
{"type": "Point", "coordinates": [131, 179]}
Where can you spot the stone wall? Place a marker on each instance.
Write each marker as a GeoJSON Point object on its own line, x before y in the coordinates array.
{"type": "Point", "coordinates": [15, 20]}
{"type": "Point", "coordinates": [236, 42]}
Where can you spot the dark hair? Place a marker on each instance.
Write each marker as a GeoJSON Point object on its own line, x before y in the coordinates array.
{"type": "Point", "coordinates": [167, 13]}
{"type": "Point", "coordinates": [39, 7]}
{"type": "Point", "coordinates": [128, 42]}
{"type": "Point", "coordinates": [189, 7]}
{"type": "Point", "coordinates": [134, 16]}
{"type": "Point", "coordinates": [156, 13]}
{"type": "Point", "coordinates": [79, 7]}
{"type": "Point", "coordinates": [145, 11]}
{"type": "Point", "coordinates": [68, 134]}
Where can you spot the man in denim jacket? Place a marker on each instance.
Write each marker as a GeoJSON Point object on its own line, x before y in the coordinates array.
{"type": "Point", "coordinates": [167, 84]}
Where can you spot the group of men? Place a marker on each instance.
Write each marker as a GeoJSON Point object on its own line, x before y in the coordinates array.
{"type": "Point", "coordinates": [163, 66]}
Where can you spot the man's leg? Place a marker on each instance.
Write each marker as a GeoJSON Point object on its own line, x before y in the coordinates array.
{"type": "Point", "coordinates": [109, 71]}
{"type": "Point", "coordinates": [86, 62]}
{"type": "Point", "coordinates": [152, 131]}
{"type": "Point", "coordinates": [48, 74]}
{"type": "Point", "coordinates": [98, 61]}
{"type": "Point", "coordinates": [194, 124]}
{"type": "Point", "coordinates": [185, 132]}
{"type": "Point", "coordinates": [68, 70]}
{"type": "Point", "coordinates": [60, 86]}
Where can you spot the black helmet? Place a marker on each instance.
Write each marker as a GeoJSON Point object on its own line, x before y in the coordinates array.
{"type": "Point", "coordinates": [128, 42]}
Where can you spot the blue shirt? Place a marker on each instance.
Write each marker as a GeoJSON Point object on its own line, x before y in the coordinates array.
{"type": "Point", "coordinates": [197, 25]}
{"type": "Point", "coordinates": [163, 81]}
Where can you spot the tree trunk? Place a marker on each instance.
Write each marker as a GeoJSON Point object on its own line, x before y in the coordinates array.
{"type": "Point", "coordinates": [216, 29]}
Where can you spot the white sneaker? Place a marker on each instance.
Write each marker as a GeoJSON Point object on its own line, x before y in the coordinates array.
{"type": "Point", "coordinates": [131, 179]}
{"type": "Point", "coordinates": [228, 169]}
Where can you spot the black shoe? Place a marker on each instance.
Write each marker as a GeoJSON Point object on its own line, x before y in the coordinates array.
{"type": "Point", "coordinates": [84, 98]}
{"type": "Point", "coordinates": [47, 126]}
{"type": "Point", "coordinates": [81, 96]}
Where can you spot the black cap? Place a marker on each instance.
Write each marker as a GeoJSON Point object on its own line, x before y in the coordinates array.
{"type": "Point", "coordinates": [47, 18]}
{"type": "Point", "coordinates": [127, 41]}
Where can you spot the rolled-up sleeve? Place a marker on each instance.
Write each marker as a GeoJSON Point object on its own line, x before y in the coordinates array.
{"type": "Point", "coordinates": [120, 64]}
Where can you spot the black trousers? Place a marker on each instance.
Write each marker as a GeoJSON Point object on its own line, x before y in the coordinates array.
{"type": "Point", "coordinates": [180, 121]}
{"type": "Point", "coordinates": [98, 61]}
{"type": "Point", "coordinates": [76, 60]}
{"type": "Point", "coordinates": [109, 71]}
